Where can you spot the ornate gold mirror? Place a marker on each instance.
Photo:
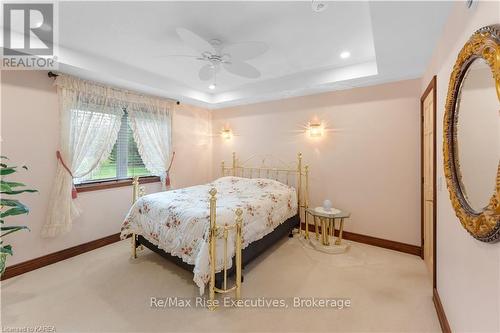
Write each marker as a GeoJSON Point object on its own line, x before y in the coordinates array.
{"type": "Point", "coordinates": [472, 135]}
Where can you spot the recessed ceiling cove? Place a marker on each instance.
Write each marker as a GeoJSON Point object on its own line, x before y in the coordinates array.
{"type": "Point", "coordinates": [144, 46]}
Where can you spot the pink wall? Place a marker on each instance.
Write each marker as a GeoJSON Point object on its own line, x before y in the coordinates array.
{"type": "Point", "coordinates": [367, 163]}
{"type": "Point", "coordinates": [29, 133]}
{"type": "Point", "coordinates": [370, 149]}
{"type": "Point", "coordinates": [468, 279]}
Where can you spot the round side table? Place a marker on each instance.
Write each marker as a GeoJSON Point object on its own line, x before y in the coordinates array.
{"type": "Point", "coordinates": [327, 222]}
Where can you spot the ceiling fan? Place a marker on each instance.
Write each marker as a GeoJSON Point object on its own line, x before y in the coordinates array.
{"type": "Point", "coordinates": [217, 55]}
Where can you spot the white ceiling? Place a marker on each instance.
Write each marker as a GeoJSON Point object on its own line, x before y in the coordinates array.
{"type": "Point", "coordinates": [125, 44]}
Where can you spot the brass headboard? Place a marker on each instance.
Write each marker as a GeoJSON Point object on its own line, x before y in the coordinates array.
{"type": "Point", "coordinates": [298, 173]}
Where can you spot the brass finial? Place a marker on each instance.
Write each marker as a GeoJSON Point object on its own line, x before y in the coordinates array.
{"type": "Point", "coordinates": [213, 191]}
{"type": "Point", "coordinates": [239, 212]}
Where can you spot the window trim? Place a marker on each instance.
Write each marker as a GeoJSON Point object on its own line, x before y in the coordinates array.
{"type": "Point", "coordinates": [113, 183]}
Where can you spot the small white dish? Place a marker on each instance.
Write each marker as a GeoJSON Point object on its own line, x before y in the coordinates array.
{"type": "Point", "coordinates": [332, 211]}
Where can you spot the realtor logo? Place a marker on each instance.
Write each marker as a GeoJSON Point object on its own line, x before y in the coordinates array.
{"type": "Point", "coordinates": [28, 29]}
{"type": "Point", "coordinates": [28, 36]}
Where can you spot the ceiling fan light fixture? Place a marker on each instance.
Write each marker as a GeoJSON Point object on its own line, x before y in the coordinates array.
{"type": "Point", "coordinates": [217, 55]}
{"type": "Point", "coordinates": [318, 5]}
{"type": "Point", "coordinates": [345, 54]}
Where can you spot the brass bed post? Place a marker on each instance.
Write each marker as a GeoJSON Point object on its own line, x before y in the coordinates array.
{"type": "Point", "coordinates": [135, 195]}
{"type": "Point", "coordinates": [234, 164]}
{"type": "Point", "coordinates": [222, 168]}
{"type": "Point", "coordinates": [239, 230]}
{"type": "Point", "coordinates": [306, 200]}
{"type": "Point", "coordinates": [238, 227]}
{"type": "Point", "coordinates": [299, 187]}
{"type": "Point", "coordinates": [212, 242]}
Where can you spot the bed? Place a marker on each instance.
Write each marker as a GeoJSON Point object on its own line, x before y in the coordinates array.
{"type": "Point", "coordinates": [229, 221]}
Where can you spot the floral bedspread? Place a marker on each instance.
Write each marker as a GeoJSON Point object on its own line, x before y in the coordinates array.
{"type": "Point", "coordinates": [178, 221]}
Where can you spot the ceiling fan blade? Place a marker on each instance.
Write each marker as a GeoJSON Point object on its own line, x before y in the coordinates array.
{"type": "Point", "coordinates": [194, 41]}
{"type": "Point", "coordinates": [241, 68]}
{"type": "Point", "coordinates": [246, 50]}
{"type": "Point", "coordinates": [177, 56]}
{"type": "Point", "coordinates": [206, 72]}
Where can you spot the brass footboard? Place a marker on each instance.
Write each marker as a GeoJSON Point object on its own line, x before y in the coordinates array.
{"type": "Point", "coordinates": [217, 232]}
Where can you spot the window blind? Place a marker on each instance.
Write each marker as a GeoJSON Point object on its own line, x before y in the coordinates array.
{"type": "Point", "coordinates": [124, 160]}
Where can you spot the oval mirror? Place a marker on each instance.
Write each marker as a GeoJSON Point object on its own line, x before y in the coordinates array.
{"type": "Point", "coordinates": [478, 135]}
{"type": "Point", "coordinates": [471, 128]}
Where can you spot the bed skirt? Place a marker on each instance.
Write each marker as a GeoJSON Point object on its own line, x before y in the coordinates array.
{"type": "Point", "coordinates": [252, 251]}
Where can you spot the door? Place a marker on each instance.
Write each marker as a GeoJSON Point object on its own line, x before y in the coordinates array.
{"type": "Point", "coordinates": [428, 179]}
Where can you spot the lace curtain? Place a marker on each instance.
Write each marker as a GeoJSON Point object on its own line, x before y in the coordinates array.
{"type": "Point", "coordinates": [90, 117]}
{"type": "Point", "coordinates": [151, 123]}
{"type": "Point", "coordinates": [90, 122]}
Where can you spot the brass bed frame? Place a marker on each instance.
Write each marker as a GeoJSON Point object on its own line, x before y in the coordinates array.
{"type": "Point", "coordinates": [301, 175]}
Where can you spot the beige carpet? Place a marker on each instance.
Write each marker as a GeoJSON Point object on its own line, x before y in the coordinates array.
{"type": "Point", "coordinates": [105, 291]}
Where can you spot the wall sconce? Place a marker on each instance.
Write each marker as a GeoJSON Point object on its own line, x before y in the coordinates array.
{"type": "Point", "coordinates": [226, 134]}
{"type": "Point", "coordinates": [315, 130]}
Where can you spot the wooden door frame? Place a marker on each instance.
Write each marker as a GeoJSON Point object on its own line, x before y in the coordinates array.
{"type": "Point", "coordinates": [432, 86]}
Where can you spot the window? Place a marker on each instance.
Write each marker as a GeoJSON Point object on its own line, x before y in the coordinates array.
{"type": "Point", "coordinates": [124, 162]}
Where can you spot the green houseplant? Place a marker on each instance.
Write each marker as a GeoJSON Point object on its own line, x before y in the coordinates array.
{"type": "Point", "coordinates": [10, 207]}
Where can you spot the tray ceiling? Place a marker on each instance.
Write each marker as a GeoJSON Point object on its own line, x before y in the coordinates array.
{"type": "Point", "coordinates": [128, 44]}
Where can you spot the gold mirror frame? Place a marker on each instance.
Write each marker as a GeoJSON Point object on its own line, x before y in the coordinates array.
{"type": "Point", "coordinates": [484, 225]}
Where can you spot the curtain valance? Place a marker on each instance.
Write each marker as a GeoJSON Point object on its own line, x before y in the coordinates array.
{"type": "Point", "coordinates": [115, 96]}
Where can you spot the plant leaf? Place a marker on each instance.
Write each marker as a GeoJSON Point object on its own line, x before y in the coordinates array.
{"type": "Point", "coordinates": [12, 184]}
{"type": "Point", "coordinates": [14, 227]}
{"type": "Point", "coordinates": [4, 157]}
{"type": "Point", "coordinates": [7, 171]}
{"type": "Point", "coordinates": [20, 191]}
{"type": "Point", "coordinates": [10, 202]}
{"type": "Point", "coordinates": [5, 187]}
{"type": "Point", "coordinates": [15, 211]}
{"type": "Point", "coordinates": [6, 249]}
